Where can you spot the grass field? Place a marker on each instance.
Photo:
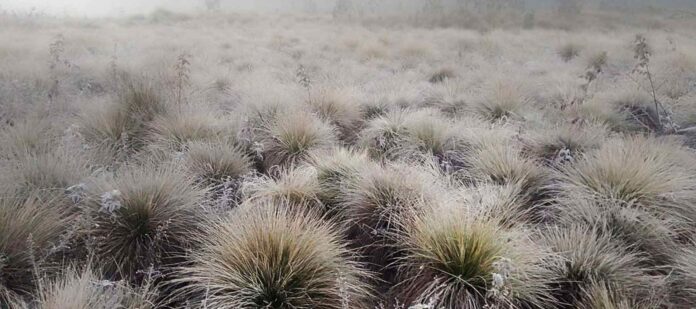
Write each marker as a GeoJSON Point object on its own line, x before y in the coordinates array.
{"type": "Point", "coordinates": [439, 160]}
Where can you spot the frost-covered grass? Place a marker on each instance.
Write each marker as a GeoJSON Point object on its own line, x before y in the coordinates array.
{"type": "Point", "coordinates": [220, 160]}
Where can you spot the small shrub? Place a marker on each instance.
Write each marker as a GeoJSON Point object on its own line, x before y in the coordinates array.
{"type": "Point", "coordinates": [266, 256]}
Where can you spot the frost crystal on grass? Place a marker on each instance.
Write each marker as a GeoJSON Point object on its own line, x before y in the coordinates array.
{"type": "Point", "coordinates": [110, 202]}
{"type": "Point", "coordinates": [76, 192]}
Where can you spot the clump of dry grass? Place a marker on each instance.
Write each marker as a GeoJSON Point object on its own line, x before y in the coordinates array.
{"type": "Point", "coordinates": [144, 217]}
{"type": "Point", "coordinates": [627, 111]}
{"type": "Point", "coordinates": [30, 136]}
{"type": "Point", "coordinates": [455, 257]}
{"type": "Point", "coordinates": [450, 98]}
{"type": "Point", "coordinates": [569, 51]}
{"type": "Point", "coordinates": [217, 162]}
{"type": "Point", "coordinates": [643, 172]}
{"type": "Point", "coordinates": [381, 136]}
{"type": "Point", "coordinates": [290, 138]}
{"type": "Point", "coordinates": [336, 170]}
{"type": "Point", "coordinates": [429, 134]}
{"type": "Point", "coordinates": [374, 201]}
{"type": "Point", "coordinates": [269, 257]}
{"type": "Point", "coordinates": [684, 279]}
{"type": "Point", "coordinates": [49, 175]}
{"type": "Point", "coordinates": [119, 129]}
{"type": "Point", "coordinates": [86, 290]}
{"type": "Point", "coordinates": [599, 295]}
{"type": "Point", "coordinates": [585, 257]}
{"type": "Point", "coordinates": [173, 131]}
{"type": "Point", "coordinates": [564, 144]}
{"type": "Point", "coordinates": [503, 203]}
{"type": "Point", "coordinates": [441, 76]}
{"type": "Point", "coordinates": [340, 108]}
{"type": "Point", "coordinates": [296, 187]}
{"type": "Point", "coordinates": [419, 135]}
{"type": "Point", "coordinates": [652, 236]}
{"type": "Point", "coordinates": [30, 236]}
{"type": "Point", "coordinates": [492, 161]}
{"type": "Point", "coordinates": [503, 101]}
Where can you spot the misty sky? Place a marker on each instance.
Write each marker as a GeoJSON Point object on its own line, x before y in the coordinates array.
{"type": "Point", "coordinates": [105, 7]}
{"type": "Point", "coordinates": [99, 8]}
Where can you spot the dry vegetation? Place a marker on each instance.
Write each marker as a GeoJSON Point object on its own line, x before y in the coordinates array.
{"type": "Point", "coordinates": [216, 160]}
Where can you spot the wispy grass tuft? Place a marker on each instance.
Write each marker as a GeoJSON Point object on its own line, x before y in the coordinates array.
{"type": "Point", "coordinates": [458, 257]}
{"type": "Point", "coordinates": [585, 257]}
{"type": "Point", "coordinates": [265, 256]}
{"type": "Point", "coordinates": [144, 217]}
{"type": "Point", "coordinates": [30, 236]}
{"type": "Point", "coordinates": [290, 138]}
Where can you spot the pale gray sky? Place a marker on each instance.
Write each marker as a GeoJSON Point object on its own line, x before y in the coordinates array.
{"type": "Point", "coordinates": [103, 7]}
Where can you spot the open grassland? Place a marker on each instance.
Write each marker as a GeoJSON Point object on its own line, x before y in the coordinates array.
{"type": "Point", "coordinates": [312, 161]}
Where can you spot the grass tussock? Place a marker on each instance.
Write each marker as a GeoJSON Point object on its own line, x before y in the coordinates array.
{"type": "Point", "coordinates": [638, 171]}
{"type": "Point", "coordinates": [565, 144]}
{"type": "Point", "coordinates": [119, 129]}
{"type": "Point", "coordinates": [290, 138]}
{"type": "Point", "coordinates": [374, 201]}
{"type": "Point", "coordinates": [31, 233]}
{"type": "Point", "coordinates": [569, 51]}
{"type": "Point", "coordinates": [456, 258]}
{"type": "Point", "coordinates": [336, 170]}
{"type": "Point", "coordinates": [654, 237]}
{"type": "Point", "coordinates": [217, 162]}
{"type": "Point", "coordinates": [340, 108]}
{"type": "Point", "coordinates": [143, 217]}
{"type": "Point", "coordinates": [491, 161]}
{"type": "Point", "coordinates": [502, 101]}
{"type": "Point", "coordinates": [416, 136]}
{"type": "Point", "coordinates": [57, 176]}
{"type": "Point", "coordinates": [173, 131]}
{"type": "Point", "coordinates": [585, 257]}
{"type": "Point", "coordinates": [685, 273]}
{"type": "Point", "coordinates": [444, 154]}
{"type": "Point", "coordinates": [269, 257]}
{"type": "Point", "coordinates": [32, 136]}
{"type": "Point", "coordinates": [295, 187]}
{"type": "Point", "coordinates": [87, 290]}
